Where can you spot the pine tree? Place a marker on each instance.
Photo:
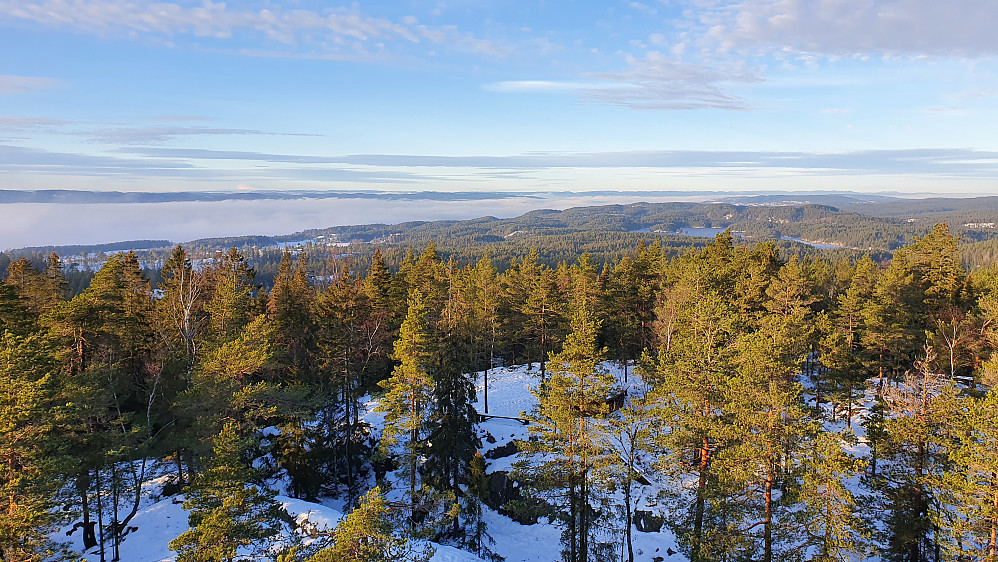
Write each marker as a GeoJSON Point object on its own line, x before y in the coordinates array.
{"type": "Point", "coordinates": [889, 330]}
{"type": "Point", "coordinates": [569, 456]}
{"type": "Point", "coordinates": [40, 291]}
{"type": "Point", "coordinates": [830, 515]}
{"type": "Point", "coordinates": [534, 295]}
{"type": "Point", "coordinates": [629, 434]}
{"type": "Point", "coordinates": [227, 511]}
{"type": "Point", "coordinates": [841, 336]}
{"type": "Point", "coordinates": [772, 420]}
{"type": "Point", "coordinates": [367, 535]}
{"type": "Point", "coordinates": [408, 393]}
{"type": "Point", "coordinates": [691, 392]}
{"type": "Point", "coordinates": [106, 344]}
{"type": "Point", "coordinates": [230, 383]}
{"type": "Point", "coordinates": [631, 291]}
{"type": "Point", "coordinates": [986, 286]}
{"type": "Point", "coordinates": [934, 262]}
{"type": "Point", "coordinates": [920, 433]}
{"type": "Point", "coordinates": [969, 491]}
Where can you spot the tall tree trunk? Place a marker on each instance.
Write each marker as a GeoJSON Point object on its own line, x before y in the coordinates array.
{"type": "Point", "coordinates": [83, 486]}
{"type": "Point", "coordinates": [100, 515]}
{"type": "Point", "coordinates": [349, 439]}
{"type": "Point", "coordinates": [849, 404]}
{"type": "Point", "coordinates": [768, 525]}
{"type": "Point", "coordinates": [180, 468]}
{"type": "Point", "coordinates": [584, 519]}
{"type": "Point", "coordinates": [413, 436]}
{"type": "Point", "coordinates": [994, 520]}
{"type": "Point", "coordinates": [629, 516]}
{"type": "Point", "coordinates": [573, 511]}
{"type": "Point", "coordinates": [115, 492]}
{"type": "Point", "coordinates": [698, 507]}
{"type": "Point", "coordinates": [543, 344]}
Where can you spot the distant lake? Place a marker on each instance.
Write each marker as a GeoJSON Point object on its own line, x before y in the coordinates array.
{"type": "Point", "coordinates": [712, 232]}
{"type": "Point", "coordinates": [702, 232]}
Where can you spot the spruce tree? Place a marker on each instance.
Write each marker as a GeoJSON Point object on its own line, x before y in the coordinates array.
{"type": "Point", "coordinates": [479, 540]}
{"type": "Point", "coordinates": [29, 448]}
{"type": "Point", "coordinates": [289, 310]}
{"type": "Point", "coordinates": [349, 338]}
{"type": "Point", "coordinates": [452, 441]}
{"type": "Point", "coordinates": [230, 305]}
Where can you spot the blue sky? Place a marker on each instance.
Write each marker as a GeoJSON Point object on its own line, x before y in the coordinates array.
{"type": "Point", "coordinates": [864, 95]}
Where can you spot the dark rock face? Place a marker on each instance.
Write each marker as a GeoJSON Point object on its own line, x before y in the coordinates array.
{"type": "Point", "coordinates": [509, 449]}
{"type": "Point", "coordinates": [383, 467]}
{"type": "Point", "coordinates": [502, 490]}
{"type": "Point", "coordinates": [505, 498]}
{"type": "Point", "coordinates": [647, 522]}
{"type": "Point", "coordinates": [617, 401]}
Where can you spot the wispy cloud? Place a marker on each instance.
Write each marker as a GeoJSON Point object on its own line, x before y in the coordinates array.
{"type": "Point", "coordinates": [12, 122]}
{"type": "Point", "coordinates": [24, 84]}
{"type": "Point", "coordinates": [975, 94]}
{"type": "Point", "coordinates": [652, 81]}
{"type": "Point", "coordinates": [154, 135]}
{"type": "Point", "coordinates": [25, 159]}
{"type": "Point", "coordinates": [180, 118]}
{"type": "Point", "coordinates": [944, 109]}
{"type": "Point", "coordinates": [930, 161]}
{"type": "Point", "coordinates": [178, 164]}
{"type": "Point", "coordinates": [644, 8]}
{"type": "Point", "coordinates": [345, 30]}
{"type": "Point", "coordinates": [516, 86]}
{"type": "Point", "coordinates": [962, 28]}
{"type": "Point", "coordinates": [660, 81]}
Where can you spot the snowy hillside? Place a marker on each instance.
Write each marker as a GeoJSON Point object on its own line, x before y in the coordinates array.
{"type": "Point", "coordinates": [161, 519]}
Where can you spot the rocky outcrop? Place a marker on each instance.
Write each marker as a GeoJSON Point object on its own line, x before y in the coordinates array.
{"type": "Point", "coordinates": [648, 522]}
{"type": "Point", "coordinates": [507, 450]}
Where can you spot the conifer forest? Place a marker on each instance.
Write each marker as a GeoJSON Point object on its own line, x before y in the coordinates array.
{"type": "Point", "coordinates": [748, 402]}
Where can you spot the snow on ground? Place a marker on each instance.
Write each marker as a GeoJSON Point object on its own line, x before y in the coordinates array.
{"type": "Point", "coordinates": [160, 520]}
{"type": "Point", "coordinates": [509, 395]}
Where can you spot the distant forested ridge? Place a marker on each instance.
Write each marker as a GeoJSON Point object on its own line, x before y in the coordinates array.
{"type": "Point", "coordinates": [604, 232]}
{"type": "Point", "coordinates": [792, 406]}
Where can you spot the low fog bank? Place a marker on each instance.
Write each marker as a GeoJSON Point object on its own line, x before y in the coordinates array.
{"type": "Point", "coordinates": [43, 224]}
